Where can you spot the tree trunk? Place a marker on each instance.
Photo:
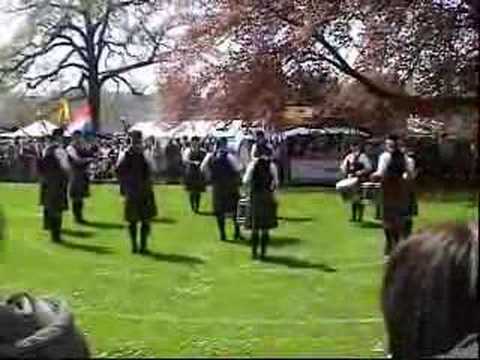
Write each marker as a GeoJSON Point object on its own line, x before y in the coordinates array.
{"type": "Point", "coordinates": [94, 101]}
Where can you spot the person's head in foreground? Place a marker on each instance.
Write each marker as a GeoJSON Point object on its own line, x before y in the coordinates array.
{"type": "Point", "coordinates": [430, 293]}
{"type": "Point", "coordinates": [39, 328]}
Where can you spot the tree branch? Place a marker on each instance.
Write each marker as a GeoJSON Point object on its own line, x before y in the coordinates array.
{"type": "Point", "coordinates": [131, 87]}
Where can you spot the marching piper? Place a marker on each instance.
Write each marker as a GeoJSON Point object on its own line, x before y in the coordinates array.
{"type": "Point", "coordinates": [357, 164]}
{"type": "Point", "coordinates": [79, 181]}
{"type": "Point", "coordinates": [395, 169]}
{"type": "Point", "coordinates": [134, 170]}
{"type": "Point", "coordinates": [54, 170]}
{"type": "Point", "coordinates": [223, 170]}
{"type": "Point", "coordinates": [262, 178]}
{"type": "Point", "coordinates": [194, 178]}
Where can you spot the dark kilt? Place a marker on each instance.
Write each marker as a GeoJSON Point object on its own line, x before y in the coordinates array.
{"type": "Point", "coordinates": [225, 200]}
{"type": "Point", "coordinates": [194, 179]}
{"type": "Point", "coordinates": [141, 207]}
{"type": "Point", "coordinates": [263, 210]}
{"type": "Point", "coordinates": [79, 186]}
{"type": "Point", "coordinates": [53, 195]}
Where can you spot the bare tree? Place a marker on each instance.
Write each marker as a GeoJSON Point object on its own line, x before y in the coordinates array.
{"type": "Point", "coordinates": [82, 45]}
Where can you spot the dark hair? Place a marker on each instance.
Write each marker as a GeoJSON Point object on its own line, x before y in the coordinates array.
{"type": "Point", "coordinates": [136, 135]}
{"type": "Point", "coordinates": [221, 142]}
{"type": "Point", "coordinates": [77, 133]}
{"type": "Point", "coordinates": [195, 138]}
{"type": "Point", "coordinates": [57, 132]}
{"type": "Point", "coordinates": [393, 137]}
{"type": "Point", "coordinates": [430, 291]}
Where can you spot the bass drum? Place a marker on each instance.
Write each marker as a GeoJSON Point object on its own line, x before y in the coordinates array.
{"type": "Point", "coordinates": [347, 187]}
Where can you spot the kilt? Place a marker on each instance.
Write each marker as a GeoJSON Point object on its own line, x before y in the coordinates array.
{"type": "Point", "coordinates": [395, 216]}
{"type": "Point", "coordinates": [194, 179]}
{"type": "Point", "coordinates": [53, 194]}
{"type": "Point", "coordinates": [263, 210]}
{"type": "Point", "coordinates": [141, 207]}
{"type": "Point", "coordinates": [79, 186]}
{"type": "Point", "coordinates": [225, 200]}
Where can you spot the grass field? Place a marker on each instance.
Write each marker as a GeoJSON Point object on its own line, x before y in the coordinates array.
{"type": "Point", "coordinates": [318, 295]}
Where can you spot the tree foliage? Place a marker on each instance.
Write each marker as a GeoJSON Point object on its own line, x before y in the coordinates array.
{"type": "Point", "coordinates": [414, 56]}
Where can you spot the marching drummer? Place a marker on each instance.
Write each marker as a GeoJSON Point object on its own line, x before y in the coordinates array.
{"type": "Point", "coordinates": [356, 164]}
{"type": "Point", "coordinates": [395, 169]}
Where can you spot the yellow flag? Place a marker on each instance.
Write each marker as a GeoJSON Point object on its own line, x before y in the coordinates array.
{"type": "Point", "coordinates": [63, 115]}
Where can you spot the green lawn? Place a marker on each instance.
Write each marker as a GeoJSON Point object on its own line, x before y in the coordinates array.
{"type": "Point", "coordinates": [197, 296]}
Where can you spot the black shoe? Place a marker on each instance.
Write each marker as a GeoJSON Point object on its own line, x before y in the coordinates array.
{"type": "Point", "coordinates": [144, 251]}
{"type": "Point", "coordinates": [134, 251]}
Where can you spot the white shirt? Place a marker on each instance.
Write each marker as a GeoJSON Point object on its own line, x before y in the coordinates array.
{"type": "Point", "coordinates": [384, 161]}
{"type": "Point", "coordinates": [350, 158]}
{"type": "Point", "coordinates": [247, 178]}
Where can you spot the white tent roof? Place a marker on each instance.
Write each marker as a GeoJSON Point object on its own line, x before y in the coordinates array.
{"type": "Point", "coordinates": [324, 131]}
{"type": "Point", "coordinates": [37, 129]}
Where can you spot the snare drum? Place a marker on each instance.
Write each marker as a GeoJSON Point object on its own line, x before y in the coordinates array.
{"type": "Point", "coordinates": [244, 212]}
{"type": "Point", "coordinates": [347, 187]}
{"type": "Point", "coordinates": [370, 191]}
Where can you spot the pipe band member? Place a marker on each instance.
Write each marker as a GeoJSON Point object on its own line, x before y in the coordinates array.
{"type": "Point", "coordinates": [262, 178]}
{"type": "Point", "coordinates": [55, 170]}
{"type": "Point", "coordinates": [357, 164]}
{"type": "Point", "coordinates": [395, 169]}
{"type": "Point", "coordinates": [194, 179]}
{"type": "Point", "coordinates": [134, 170]}
{"type": "Point", "coordinates": [79, 181]}
{"type": "Point", "coordinates": [223, 169]}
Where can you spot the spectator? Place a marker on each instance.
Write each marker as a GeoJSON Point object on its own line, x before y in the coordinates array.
{"type": "Point", "coordinates": [430, 291]}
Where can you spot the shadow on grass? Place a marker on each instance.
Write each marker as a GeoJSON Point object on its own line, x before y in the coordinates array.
{"type": "Point", "coordinates": [78, 233]}
{"type": "Point", "coordinates": [297, 263]}
{"type": "Point", "coordinates": [174, 258]}
{"type": "Point", "coordinates": [95, 249]}
{"type": "Point", "coordinates": [295, 219]}
{"type": "Point", "coordinates": [164, 220]}
{"type": "Point", "coordinates": [275, 242]}
{"type": "Point", "coordinates": [206, 213]}
{"type": "Point", "coordinates": [103, 225]}
{"type": "Point", "coordinates": [371, 225]}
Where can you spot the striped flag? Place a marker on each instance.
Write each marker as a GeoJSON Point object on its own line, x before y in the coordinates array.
{"type": "Point", "coordinates": [81, 120]}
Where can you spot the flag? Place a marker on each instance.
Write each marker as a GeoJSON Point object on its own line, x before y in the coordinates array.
{"type": "Point", "coordinates": [63, 112]}
{"type": "Point", "coordinates": [81, 120]}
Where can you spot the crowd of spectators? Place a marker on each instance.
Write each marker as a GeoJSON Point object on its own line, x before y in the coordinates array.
{"type": "Point", "coordinates": [439, 158]}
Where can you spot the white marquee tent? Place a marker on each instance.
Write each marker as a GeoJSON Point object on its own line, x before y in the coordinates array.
{"type": "Point", "coordinates": [39, 128]}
